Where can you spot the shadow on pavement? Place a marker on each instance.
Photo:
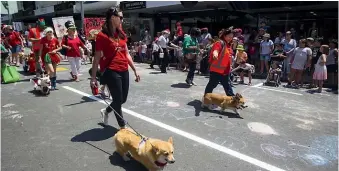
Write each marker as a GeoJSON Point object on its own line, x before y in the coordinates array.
{"type": "Point", "coordinates": [37, 93]}
{"type": "Point", "coordinates": [180, 85]}
{"type": "Point", "coordinates": [131, 165]}
{"type": "Point", "coordinates": [197, 106]}
{"type": "Point", "coordinates": [156, 73]}
{"type": "Point", "coordinates": [64, 81]}
{"type": "Point", "coordinates": [84, 100]}
{"type": "Point", "coordinates": [96, 134]}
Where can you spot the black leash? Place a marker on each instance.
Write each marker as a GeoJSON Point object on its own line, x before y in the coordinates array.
{"type": "Point", "coordinates": [137, 133]}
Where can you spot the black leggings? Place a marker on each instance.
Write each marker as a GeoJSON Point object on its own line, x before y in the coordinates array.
{"type": "Point", "coordinates": [118, 85]}
{"type": "Point", "coordinates": [215, 79]}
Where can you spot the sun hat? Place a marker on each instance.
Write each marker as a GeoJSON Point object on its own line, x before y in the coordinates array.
{"type": "Point", "coordinates": [310, 39]}
{"type": "Point", "coordinates": [240, 47]}
{"type": "Point", "coordinates": [267, 35]}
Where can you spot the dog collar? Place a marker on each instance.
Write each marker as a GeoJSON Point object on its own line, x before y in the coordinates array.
{"type": "Point", "coordinates": [160, 164]}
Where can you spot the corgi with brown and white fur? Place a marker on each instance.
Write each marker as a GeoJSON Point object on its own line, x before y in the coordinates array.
{"type": "Point", "coordinates": [225, 102]}
{"type": "Point", "coordinates": [154, 154]}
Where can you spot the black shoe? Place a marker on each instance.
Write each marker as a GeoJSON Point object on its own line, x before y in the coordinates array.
{"type": "Point", "coordinates": [151, 66]}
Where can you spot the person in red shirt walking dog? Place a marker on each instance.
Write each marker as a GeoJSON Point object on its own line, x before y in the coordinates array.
{"type": "Point", "coordinates": [220, 63]}
{"type": "Point", "coordinates": [35, 35]}
{"type": "Point", "coordinates": [112, 52]}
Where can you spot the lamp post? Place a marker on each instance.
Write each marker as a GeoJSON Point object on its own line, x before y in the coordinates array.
{"type": "Point", "coordinates": [82, 15]}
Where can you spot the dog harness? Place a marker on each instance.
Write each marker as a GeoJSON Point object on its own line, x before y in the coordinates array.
{"type": "Point", "coordinates": [142, 142]}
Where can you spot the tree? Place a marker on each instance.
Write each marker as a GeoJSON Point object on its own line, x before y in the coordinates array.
{"type": "Point", "coordinates": [5, 4]}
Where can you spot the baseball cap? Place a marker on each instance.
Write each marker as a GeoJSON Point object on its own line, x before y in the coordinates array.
{"type": "Point", "coordinates": [70, 25]}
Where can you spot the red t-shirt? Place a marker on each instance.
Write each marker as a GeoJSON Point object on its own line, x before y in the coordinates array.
{"type": "Point", "coordinates": [108, 47]}
{"type": "Point", "coordinates": [14, 39]}
{"type": "Point", "coordinates": [48, 45]}
{"type": "Point", "coordinates": [75, 44]}
{"type": "Point", "coordinates": [179, 31]}
{"type": "Point", "coordinates": [37, 34]}
{"type": "Point", "coordinates": [227, 57]}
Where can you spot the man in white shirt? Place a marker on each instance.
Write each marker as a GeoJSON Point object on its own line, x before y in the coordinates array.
{"type": "Point", "coordinates": [162, 42]}
{"type": "Point", "coordinates": [155, 53]}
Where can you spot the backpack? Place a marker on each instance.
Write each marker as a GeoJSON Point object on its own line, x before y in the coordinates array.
{"type": "Point", "coordinates": [64, 50]}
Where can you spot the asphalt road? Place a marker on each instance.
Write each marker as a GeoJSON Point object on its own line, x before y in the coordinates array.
{"type": "Point", "coordinates": [282, 129]}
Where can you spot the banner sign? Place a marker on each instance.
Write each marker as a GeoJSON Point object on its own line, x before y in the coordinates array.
{"type": "Point", "coordinates": [59, 25]}
{"type": "Point", "coordinates": [91, 24]}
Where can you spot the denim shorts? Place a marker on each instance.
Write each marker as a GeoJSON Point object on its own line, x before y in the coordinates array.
{"type": "Point", "coordinates": [16, 49]}
{"type": "Point", "coordinates": [265, 57]}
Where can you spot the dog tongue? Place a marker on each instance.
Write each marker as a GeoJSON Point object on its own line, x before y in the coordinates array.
{"type": "Point", "coordinates": [160, 164]}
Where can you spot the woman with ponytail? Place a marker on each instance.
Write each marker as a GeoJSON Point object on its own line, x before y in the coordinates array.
{"type": "Point", "coordinates": [112, 53]}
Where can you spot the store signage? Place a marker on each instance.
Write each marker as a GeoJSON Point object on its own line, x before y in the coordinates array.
{"type": "Point", "coordinates": [45, 10]}
{"type": "Point", "coordinates": [133, 5]}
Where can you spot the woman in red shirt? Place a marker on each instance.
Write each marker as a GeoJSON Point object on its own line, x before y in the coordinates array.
{"type": "Point", "coordinates": [220, 67]}
{"type": "Point", "coordinates": [112, 52]}
{"type": "Point", "coordinates": [49, 46]}
{"type": "Point", "coordinates": [72, 45]}
{"type": "Point", "coordinates": [15, 43]}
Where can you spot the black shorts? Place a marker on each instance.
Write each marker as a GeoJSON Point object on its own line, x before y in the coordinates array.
{"type": "Point", "coordinates": [333, 68]}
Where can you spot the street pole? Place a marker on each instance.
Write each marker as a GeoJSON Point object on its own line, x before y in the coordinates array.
{"type": "Point", "coordinates": [82, 15]}
{"type": "Point", "coordinates": [9, 18]}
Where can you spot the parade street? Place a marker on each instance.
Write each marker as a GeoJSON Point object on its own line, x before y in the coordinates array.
{"type": "Point", "coordinates": [281, 129]}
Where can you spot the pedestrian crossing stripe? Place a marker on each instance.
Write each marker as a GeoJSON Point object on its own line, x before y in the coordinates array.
{"type": "Point", "coordinates": [61, 69]}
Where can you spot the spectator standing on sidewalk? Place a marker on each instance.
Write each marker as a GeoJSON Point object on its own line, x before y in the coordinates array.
{"type": "Point", "coordinates": [220, 67]}
{"type": "Point", "coordinates": [289, 47]}
{"type": "Point", "coordinates": [16, 44]}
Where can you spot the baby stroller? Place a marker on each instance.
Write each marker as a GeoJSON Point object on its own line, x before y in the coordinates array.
{"type": "Point", "coordinates": [273, 76]}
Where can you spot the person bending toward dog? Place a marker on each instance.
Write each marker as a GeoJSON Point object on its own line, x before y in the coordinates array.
{"type": "Point", "coordinates": [220, 67]}
{"type": "Point", "coordinates": [49, 46]}
{"type": "Point", "coordinates": [111, 48]}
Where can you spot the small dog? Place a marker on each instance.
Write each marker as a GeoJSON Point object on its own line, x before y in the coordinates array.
{"type": "Point", "coordinates": [154, 154]}
{"type": "Point", "coordinates": [42, 84]}
{"type": "Point", "coordinates": [223, 101]}
{"type": "Point", "coordinates": [245, 66]}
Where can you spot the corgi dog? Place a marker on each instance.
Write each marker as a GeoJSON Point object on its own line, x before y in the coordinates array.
{"type": "Point", "coordinates": [223, 101]}
{"type": "Point", "coordinates": [154, 154]}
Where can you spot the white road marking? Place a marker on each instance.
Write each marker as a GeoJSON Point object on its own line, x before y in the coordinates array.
{"type": "Point", "coordinates": [257, 85]}
{"type": "Point", "coordinates": [282, 91]}
{"type": "Point", "coordinates": [188, 135]}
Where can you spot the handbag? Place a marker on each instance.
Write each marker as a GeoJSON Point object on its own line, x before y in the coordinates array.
{"type": "Point", "coordinates": [161, 55]}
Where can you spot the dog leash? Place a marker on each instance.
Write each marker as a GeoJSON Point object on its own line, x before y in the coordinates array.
{"type": "Point", "coordinates": [143, 139]}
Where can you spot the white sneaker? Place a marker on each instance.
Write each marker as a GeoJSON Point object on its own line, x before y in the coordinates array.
{"type": "Point", "coordinates": [104, 116]}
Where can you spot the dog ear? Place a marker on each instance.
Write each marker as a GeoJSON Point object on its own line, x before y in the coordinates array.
{"type": "Point", "coordinates": [170, 140]}
{"type": "Point", "coordinates": [238, 95]}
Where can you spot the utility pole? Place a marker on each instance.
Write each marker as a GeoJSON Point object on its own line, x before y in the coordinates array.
{"type": "Point", "coordinates": [82, 15]}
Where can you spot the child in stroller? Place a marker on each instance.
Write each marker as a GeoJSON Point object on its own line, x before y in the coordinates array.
{"type": "Point", "coordinates": [277, 58]}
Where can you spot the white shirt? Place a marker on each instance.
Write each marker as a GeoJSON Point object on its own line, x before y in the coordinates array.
{"type": "Point", "coordinates": [300, 57]}
{"type": "Point", "coordinates": [266, 47]}
{"type": "Point", "coordinates": [162, 41]}
{"type": "Point", "coordinates": [330, 60]}
{"type": "Point", "coordinates": [155, 47]}
{"type": "Point", "coordinates": [143, 48]}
